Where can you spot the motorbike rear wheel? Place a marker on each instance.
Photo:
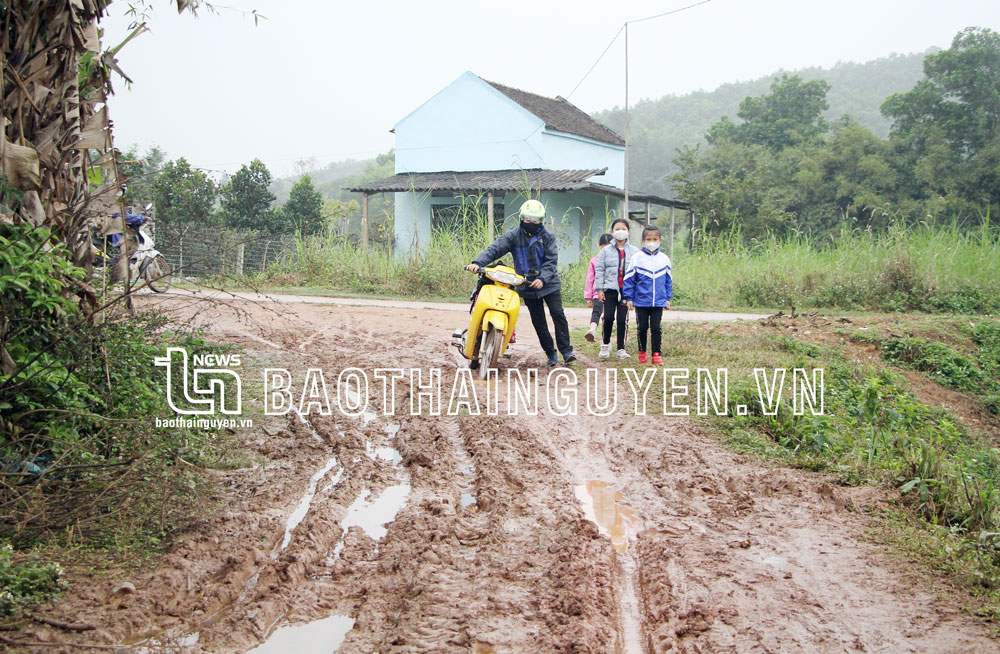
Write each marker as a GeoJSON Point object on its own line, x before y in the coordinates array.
{"type": "Point", "coordinates": [489, 351]}
{"type": "Point", "coordinates": [158, 275]}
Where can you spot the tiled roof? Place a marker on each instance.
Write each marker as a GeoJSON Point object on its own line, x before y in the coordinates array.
{"type": "Point", "coordinates": [560, 115]}
{"type": "Point", "coordinates": [534, 179]}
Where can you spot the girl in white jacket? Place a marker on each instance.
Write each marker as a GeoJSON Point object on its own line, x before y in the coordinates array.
{"type": "Point", "coordinates": [609, 273]}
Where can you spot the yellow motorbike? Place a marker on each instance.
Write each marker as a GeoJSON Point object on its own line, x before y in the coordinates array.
{"type": "Point", "coordinates": [493, 318]}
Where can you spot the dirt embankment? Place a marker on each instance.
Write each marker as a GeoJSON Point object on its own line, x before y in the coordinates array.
{"type": "Point", "coordinates": [505, 533]}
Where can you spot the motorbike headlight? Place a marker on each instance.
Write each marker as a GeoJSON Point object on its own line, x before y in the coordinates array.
{"type": "Point", "coordinates": [505, 277]}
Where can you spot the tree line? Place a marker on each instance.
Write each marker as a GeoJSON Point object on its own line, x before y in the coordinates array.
{"type": "Point", "coordinates": [185, 195]}
{"type": "Point", "coordinates": [783, 168]}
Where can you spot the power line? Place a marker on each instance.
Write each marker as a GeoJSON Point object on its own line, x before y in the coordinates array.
{"type": "Point", "coordinates": [618, 33]}
{"type": "Point", "coordinates": [667, 13]}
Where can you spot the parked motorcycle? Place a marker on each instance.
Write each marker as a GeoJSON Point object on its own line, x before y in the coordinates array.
{"type": "Point", "coordinates": [493, 318]}
{"type": "Point", "coordinates": [145, 264]}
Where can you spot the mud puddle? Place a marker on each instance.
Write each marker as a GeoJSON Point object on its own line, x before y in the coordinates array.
{"type": "Point", "coordinates": [373, 516]}
{"type": "Point", "coordinates": [318, 637]}
{"type": "Point", "coordinates": [303, 507]}
{"type": "Point", "coordinates": [604, 505]}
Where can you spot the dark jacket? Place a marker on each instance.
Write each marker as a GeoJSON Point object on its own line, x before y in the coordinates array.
{"type": "Point", "coordinates": [538, 252]}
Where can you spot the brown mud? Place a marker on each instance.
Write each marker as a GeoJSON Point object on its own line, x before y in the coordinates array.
{"type": "Point", "coordinates": [525, 533]}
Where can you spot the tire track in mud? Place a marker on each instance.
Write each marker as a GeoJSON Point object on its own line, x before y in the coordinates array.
{"type": "Point", "coordinates": [729, 555]}
{"type": "Point", "coordinates": [492, 576]}
{"type": "Point", "coordinates": [445, 577]}
{"type": "Point", "coordinates": [741, 556]}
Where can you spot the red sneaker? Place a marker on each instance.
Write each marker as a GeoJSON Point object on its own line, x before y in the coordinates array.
{"type": "Point", "coordinates": [643, 358]}
{"type": "Point", "coordinates": [513, 338]}
{"type": "Point", "coordinates": [657, 359]}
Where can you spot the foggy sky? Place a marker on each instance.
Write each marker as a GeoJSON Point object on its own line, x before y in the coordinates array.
{"type": "Point", "coordinates": [329, 79]}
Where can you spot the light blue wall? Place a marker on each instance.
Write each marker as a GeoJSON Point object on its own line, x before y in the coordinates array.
{"type": "Point", "coordinates": [469, 125]}
{"type": "Point", "coordinates": [562, 151]}
{"type": "Point", "coordinates": [412, 217]}
{"type": "Point", "coordinates": [571, 216]}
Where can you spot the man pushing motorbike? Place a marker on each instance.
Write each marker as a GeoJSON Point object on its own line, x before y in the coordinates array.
{"type": "Point", "coordinates": [535, 256]}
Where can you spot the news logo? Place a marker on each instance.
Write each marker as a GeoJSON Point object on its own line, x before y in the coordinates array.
{"type": "Point", "coordinates": [206, 383]}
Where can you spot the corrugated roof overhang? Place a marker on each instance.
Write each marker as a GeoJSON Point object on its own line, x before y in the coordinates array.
{"type": "Point", "coordinates": [485, 180]}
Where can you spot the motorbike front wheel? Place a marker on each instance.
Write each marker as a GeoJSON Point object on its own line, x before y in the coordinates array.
{"type": "Point", "coordinates": [489, 351]}
{"type": "Point", "coordinates": [158, 275]}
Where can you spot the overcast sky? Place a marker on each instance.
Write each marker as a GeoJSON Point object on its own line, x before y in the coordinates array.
{"type": "Point", "coordinates": [329, 79]}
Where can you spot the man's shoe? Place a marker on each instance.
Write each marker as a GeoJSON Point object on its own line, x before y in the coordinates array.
{"type": "Point", "coordinates": [590, 335]}
{"type": "Point", "coordinates": [643, 358]}
{"type": "Point", "coordinates": [605, 351]}
{"type": "Point", "coordinates": [622, 354]}
{"type": "Point", "coordinates": [657, 359]}
{"type": "Point", "coordinates": [553, 360]}
{"type": "Point", "coordinates": [569, 358]}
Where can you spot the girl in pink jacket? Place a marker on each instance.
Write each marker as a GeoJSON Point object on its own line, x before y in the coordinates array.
{"type": "Point", "coordinates": [590, 295]}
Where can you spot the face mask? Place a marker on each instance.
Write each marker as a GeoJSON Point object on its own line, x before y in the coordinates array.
{"type": "Point", "coordinates": [531, 228]}
{"type": "Point", "coordinates": [620, 234]}
{"type": "Point", "coordinates": [651, 246]}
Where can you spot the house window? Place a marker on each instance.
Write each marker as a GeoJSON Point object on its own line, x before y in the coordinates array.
{"type": "Point", "coordinates": [461, 218]}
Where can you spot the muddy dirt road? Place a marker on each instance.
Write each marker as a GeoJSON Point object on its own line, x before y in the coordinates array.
{"type": "Point", "coordinates": [618, 534]}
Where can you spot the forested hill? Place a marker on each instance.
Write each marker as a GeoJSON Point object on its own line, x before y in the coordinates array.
{"type": "Point", "coordinates": [659, 127]}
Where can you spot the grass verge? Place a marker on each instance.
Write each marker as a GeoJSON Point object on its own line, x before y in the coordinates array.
{"type": "Point", "coordinates": [942, 478]}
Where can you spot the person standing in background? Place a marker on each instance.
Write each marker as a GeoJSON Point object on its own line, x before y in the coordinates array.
{"type": "Point", "coordinates": [609, 274]}
{"type": "Point", "coordinates": [590, 295]}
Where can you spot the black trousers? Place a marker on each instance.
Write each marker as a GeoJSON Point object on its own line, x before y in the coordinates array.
{"type": "Point", "coordinates": [615, 313]}
{"type": "Point", "coordinates": [597, 311]}
{"type": "Point", "coordinates": [483, 281]}
{"type": "Point", "coordinates": [649, 319]}
{"type": "Point", "coordinates": [537, 312]}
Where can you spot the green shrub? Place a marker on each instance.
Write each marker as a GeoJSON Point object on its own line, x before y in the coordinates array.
{"type": "Point", "coordinates": [26, 584]}
{"type": "Point", "coordinates": [987, 336]}
{"type": "Point", "coordinates": [78, 403]}
{"type": "Point", "coordinates": [945, 365]}
{"type": "Point", "coordinates": [874, 430]}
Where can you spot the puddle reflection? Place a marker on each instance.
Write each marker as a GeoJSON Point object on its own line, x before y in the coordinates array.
{"type": "Point", "coordinates": [603, 505]}
{"type": "Point", "coordinates": [318, 637]}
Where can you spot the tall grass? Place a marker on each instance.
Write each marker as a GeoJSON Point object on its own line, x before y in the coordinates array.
{"type": "Point", "coordinates": [332, 262]}
{"type": "Point", "coordinates": [927, 268]}
{"type": "Point", "coordinates": [906, 268]}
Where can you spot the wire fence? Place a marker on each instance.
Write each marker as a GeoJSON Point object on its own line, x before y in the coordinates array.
{"type": "Point", "coordinates": [199, 252]}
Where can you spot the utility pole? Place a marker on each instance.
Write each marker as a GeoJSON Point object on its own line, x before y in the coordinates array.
{"type": "Point", "coordinates": [626, 216]}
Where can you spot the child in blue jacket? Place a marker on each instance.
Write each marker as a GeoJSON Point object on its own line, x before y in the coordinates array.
{"type": "Point", "coordinates": [648, 288]}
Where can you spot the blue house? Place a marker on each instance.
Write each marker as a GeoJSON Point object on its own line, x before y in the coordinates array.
{"type": "Point", "coordinates": [482, 144]}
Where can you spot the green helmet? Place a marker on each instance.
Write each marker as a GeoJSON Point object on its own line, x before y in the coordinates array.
{"type": "Point", "coordinates": [533, 209]}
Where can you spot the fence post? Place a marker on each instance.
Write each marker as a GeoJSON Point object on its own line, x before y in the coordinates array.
{"type": "Point", "coordinates": [239, 258]}
{"type": "Point", "coordinates": [692, 231]}
{"type": "Point", "coordinates": [263, 265]}
{"type": "Point", "coordinates": [671, 234]}
{"type": "Point", "coordinates": [489, 217]}
{"type": "Point", "coordinates": [364, 220]}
